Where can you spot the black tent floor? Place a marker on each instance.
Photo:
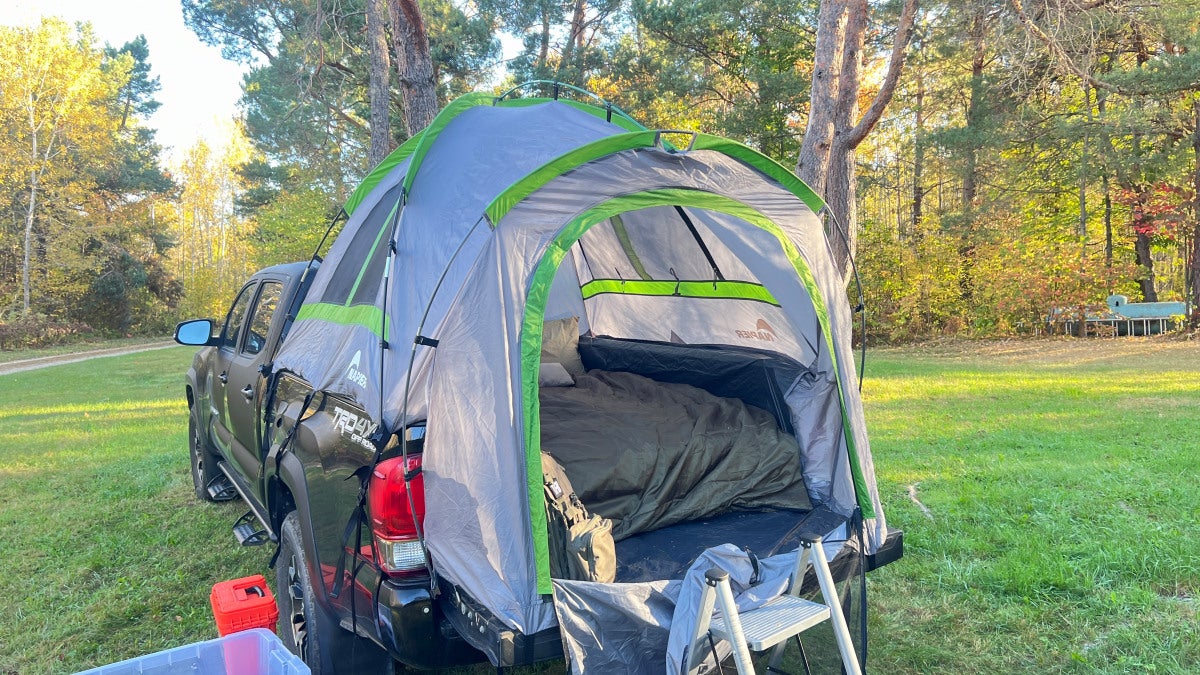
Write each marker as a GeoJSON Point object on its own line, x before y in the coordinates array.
{"type": "Point", "coordinates": [667, 553]}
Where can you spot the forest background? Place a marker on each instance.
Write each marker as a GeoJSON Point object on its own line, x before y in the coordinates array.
{"type": "Point", "coordinates": [989, 159]}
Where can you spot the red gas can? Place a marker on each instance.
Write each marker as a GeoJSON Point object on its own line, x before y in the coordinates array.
{"type": "Point", "coordinates": [242, 604]}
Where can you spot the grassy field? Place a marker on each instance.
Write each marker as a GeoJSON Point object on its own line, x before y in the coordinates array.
{"type": "Point", "coordinates": [1060, 482]}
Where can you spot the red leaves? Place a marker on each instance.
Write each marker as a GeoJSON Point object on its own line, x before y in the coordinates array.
{"type": "Point", "coordinates": [1157, 210]}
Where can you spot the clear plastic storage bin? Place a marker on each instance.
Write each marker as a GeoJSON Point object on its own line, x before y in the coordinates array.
{"type": "Point", "coordinates": [250, 652]}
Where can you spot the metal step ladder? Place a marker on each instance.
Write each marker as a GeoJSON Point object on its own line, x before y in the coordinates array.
{"type": "Point", "coordinates": [770, 625]}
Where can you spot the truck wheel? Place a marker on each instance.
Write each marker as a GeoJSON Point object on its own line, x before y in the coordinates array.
{"type": "Point", "coordinates": [204, 462]}
{"type": "Point", "coordinates": [305, 627]}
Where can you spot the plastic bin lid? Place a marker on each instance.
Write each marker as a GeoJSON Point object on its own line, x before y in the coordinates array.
{"type": "Point", "coordinates": [252, 652]}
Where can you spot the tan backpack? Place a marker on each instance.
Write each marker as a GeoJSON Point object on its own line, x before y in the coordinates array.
{"type": "Point", "coordinates": [581, 543]}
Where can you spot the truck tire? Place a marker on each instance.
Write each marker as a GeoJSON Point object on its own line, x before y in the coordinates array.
{"type": "Point", "coordinates": [204, 462]}
{"type": "Point", "coordinates": [307, 630]}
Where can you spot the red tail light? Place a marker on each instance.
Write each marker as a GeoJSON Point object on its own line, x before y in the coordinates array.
{"type": "Point", "coordinates": [398, 549]}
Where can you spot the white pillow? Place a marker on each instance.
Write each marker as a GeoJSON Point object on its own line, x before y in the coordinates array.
{"type": "Point", "coordinates": [554, 375]}
{"type": "Point", "coordinates": [560, 344]}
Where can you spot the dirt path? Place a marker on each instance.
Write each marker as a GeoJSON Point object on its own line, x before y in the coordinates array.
{"type": "Point", "coordinates": [61, 359]}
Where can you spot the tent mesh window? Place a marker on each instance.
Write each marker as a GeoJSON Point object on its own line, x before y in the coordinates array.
{"type": "Point", "coordinates": [355, 280]}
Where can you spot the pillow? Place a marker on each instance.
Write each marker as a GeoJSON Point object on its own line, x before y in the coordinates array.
{"type": "Point", "coordinates": [552, 374]}
{"type": "Point", "coordinates": [560, 344]}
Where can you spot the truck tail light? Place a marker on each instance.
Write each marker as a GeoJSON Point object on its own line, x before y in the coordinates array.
{"type": "Point", "coordinates": [398, 549]}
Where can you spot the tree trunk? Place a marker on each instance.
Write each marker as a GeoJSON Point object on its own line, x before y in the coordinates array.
{"type": "Point", "coordinates": [25, 270]}
{"type": "Point", "coordinates": [1106, 147]}
{"type": "Point", "coordinates": [1083, 164]}
{"type": "Point", "coordinates": [1141, 247]}
{"type": "Point", "coordinates": [918, 190]}
{"type": "Point", "coordinates": [1141, 243]}
{"type": "Point", "coordinates": [573, 48]}
{"type": "Point", "coordinates": [414, 65]}
{"type": "Point", "coordinates": [827, 160]}
{"type": "Point", "coordinates": [1108, 234]}
{"type": "Point", "coordinates": [813, 164]}
{"type": "Point", "coordinates": [381, 136]}
{"type": "Point", "coordinates": [974, 112]}
{"type": "Point", "coordinates": [1193, 264]}
{"type": "Point", "coordinates": [544, 45]}
{"type": "Point", "coordinates": [840, 186]}
{"type": "Point", "coordinates": [966, 250]}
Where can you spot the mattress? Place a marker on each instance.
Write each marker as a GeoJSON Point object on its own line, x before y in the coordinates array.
{"type": "Point", "coordinates": [650, 454]}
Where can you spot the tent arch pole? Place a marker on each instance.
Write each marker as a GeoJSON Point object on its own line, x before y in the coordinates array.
{"type": "Point", "coordinates": [604, 103]}
{"type": "Point", "coordinates": [531, 336]}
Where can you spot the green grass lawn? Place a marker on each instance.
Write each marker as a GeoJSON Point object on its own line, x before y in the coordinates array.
{"type": "Point", "coordinates": [1062, 480]}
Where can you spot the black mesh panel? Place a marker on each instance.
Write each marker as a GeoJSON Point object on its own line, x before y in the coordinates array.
{"type": "Point", "coordinates": [352, 261]}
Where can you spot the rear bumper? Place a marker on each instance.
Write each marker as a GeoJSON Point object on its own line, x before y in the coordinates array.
{"type": "Point", "coordinates": [425, 633]}
{"type": "Point", "coordinates": [413, 628]}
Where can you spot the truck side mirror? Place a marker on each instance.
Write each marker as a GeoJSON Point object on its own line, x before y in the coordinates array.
{"type": "Point", "coordinates": [195, 333]}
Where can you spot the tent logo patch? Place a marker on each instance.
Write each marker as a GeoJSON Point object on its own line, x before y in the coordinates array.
{"type": "Point", "coordinates": [762, 331]}
{"type": "Point", "coordinates": [354, 374]}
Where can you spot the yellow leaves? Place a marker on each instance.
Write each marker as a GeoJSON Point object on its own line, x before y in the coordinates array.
{"type": "Point", "coordinates": [214, 253]}
{"type": "Point", "coordinates": [56, 92]}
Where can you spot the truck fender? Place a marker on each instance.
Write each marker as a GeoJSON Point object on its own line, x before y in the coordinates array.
{"type": "Point", "coordinates": [289, 489]}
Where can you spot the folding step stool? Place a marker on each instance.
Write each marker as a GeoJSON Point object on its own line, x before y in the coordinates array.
{"type": "Point", "coordinates": [773, 623]}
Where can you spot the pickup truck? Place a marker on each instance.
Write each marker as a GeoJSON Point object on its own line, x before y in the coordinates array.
{"type": "Point", "coordinates": [354, 590]}
{"type": "Point", "coordinates": [245, 441]}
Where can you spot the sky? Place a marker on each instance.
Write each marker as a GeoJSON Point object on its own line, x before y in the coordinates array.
{"type": "Point", "coordinates": [200, 90]}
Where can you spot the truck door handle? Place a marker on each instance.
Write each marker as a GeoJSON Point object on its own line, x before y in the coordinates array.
{"type": "Point", "coordinates": [224, 378]}
{"type": "Point", "coordinates": [248, 392]}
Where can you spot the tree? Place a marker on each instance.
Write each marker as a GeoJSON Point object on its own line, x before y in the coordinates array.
{"type": "Point", "coordinates": [127, 280]}
{"type": "Point", "coordinates": [82, 177]}
{"type": "Point", "coordinates": [56, 117]}
{"type": "Point", "coordinates": [740, 70]}
{"type": "Point", "coordinates": [414, 64]}
{"type": "Point", "coordinates": [827, 160]}
{"type": "Point", "coordinates": [380, 78]}
{"type": "Point", "coordinates": [214, 255]}
{"type": "Point", "coordinates": [310, 108]}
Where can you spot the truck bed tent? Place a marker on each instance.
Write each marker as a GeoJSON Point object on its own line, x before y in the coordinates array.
{"type": "Point", "coordinates": [699, 267]}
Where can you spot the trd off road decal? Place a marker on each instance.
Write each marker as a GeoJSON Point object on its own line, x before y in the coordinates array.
{"type": "Point", "coordinates": [357, 429]}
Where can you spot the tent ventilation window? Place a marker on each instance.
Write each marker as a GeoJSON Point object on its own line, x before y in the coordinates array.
{"type": "Point", "coordinates": [700, 242]}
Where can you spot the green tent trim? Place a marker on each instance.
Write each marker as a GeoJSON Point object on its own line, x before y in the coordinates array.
{"type": "Point", "coordinates": [518, 191]}
{"type": "Point", "coordinates": [377, 174]}
{"type": "Point", "coordinates": [367, 316]}
{"type": "Point", "coordinates": [725, 290]}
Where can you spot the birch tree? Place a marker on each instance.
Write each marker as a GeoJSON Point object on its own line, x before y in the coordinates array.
{"type": "Point", "coordinates": [56, 115]}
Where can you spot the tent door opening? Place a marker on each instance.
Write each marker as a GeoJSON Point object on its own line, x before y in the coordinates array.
{"type": "Point", "coordinates": [672, 420]}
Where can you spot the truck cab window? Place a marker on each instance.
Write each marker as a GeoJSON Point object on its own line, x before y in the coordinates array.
{"type": "Point", "coordinates": [260, 320]}
{"type": "Point", "coordinates": [236, 317]}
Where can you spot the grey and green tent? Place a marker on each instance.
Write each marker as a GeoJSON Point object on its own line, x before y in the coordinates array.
{"type": "Point", "coordinates": [702, 266]}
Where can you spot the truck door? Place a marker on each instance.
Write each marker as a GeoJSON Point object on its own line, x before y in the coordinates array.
{"type": "Point", "coordinates": [218, 385]}
{"type": "Point", "coordinates": [246, 383]}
